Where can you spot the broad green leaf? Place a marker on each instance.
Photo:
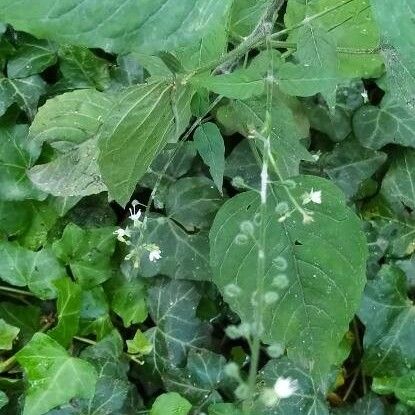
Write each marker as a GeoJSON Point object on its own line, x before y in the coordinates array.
{"type": "Point", "coordinates": [183, 255]}
{"type": "Point", "coordinates": [285, 135]}
{"type": "Point", "coordinates": [209, 144]}
{"type": "Point", "coordinates": [37, 270]}
{"type": "Point", "coordinates": [139, 344]}
{"type": "Point", "coordinates": [370, 404]}
{"type": "Point", "coordinates": [68, 309]}
{"type": "Point", "coordinates": [16, 156]}
{"type": "Point", "coordinates": [224, 409]}
{"type": "Point", "coordinates": [14, 218]}
{"type": "Point", "coordinates": [391, 122]}
{"type": "Point", "coordinates": [396, 24]}
{"type": "Point", "coordinates": [87, 252]}
{"type": "Point", "coordinates": [349, 164]}
{"type": "Point", "coordinates": [80, 68]}
{"type": "Point", "coordinates": [8, 334]}
{"type": "Point", "coordinates": [127, 299]}
{"type": "Point", "coordinates": [402, 387]}
{"type": "Point", "coordinates": [25, 92]}
{"type": "Point", "coordinates": [352, 28]}
{"type": "Point", "coordinates": [172, 306]}
{"type": "Point", "coordinates": [128, 72]}
{"type": "Point", "coordinates": [193, 202]}
{"type": "Point", "coordinates": [147, 26]}
{"type": "Point", "coordinates": [389, 337]}
{"type": "Point", "coordinates": [317, 70]}
{"type": "Point", "coordinates": [308, 399]}
{"type": "Point", "coordinates": [143, 120]}
{"type": "Point", "coordinates": [26, 318]}
{"type": "Point", "coordinates": [323, 268]}
{"type": "Point", "coordinates": [54, 377]}
{"type": "Point", "coordinates": [246, 15]}
{"type": "Point", "coordinates": [32, 56]}
{"type": "Point", "coordinates": [69, 123]}
{"type": "Point", "coordinates": [199, 380]}
{"type": "Point", "coordinates": [170, 404]}
{"type": "Point", "coordinates": [398, 184]}
{"type": "Point", "coordinates": [4, 400]}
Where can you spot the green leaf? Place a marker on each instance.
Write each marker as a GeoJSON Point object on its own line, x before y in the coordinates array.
{"type": "Point", "coordinates": [323, 268]}
{"type": "Point", "coordinates": [155, 114]}
{"type": "Point", "coordinates": [139, 344]}
{"type": "Point", "coordinates": [16, 156]}
{"type": "Point", "coordinates": [246, 15]}
{"type": "Point", "coordinates": [8, 334]}
{"type": "Point", "coordinates": [69, 123]}
{"type": "Point", "coordinates": [317, 70]}
{"type": "Point", "coordinates": [310, 397]}
{"type": "Point", "coordinates": [183, 255]}
{"type": "Point", "coordinates": [370, 404]}
{"type": "Point", "coordinates": [389, 337]}
{"type": "Point", "coordinates": [37, 270]}
{"type": "Point", "coordinates": [224, 409]}
{"type": "Point", "coordinates": [199, 380]}
{"type": "Point", "coordinates": [32, 56]}
{"type": "Point", "coordinates": [398, 184]}
{"type": "Point", "coordinates": [87, 252]}
{"type": "Point", "coordinates": [127, 299]}
{"type": "Point", "coordinates": [170, 404]}
{"type": "Point", "coordinates": [144, 26]}
{"type": "Point", "coordinates": [80, 68]}
{"type": "Point", "coordinates": [172, 306]}
{"type": "Point", "coordinates": [349, 164]}
{"type": "Point", "coordinates": [54, 377]}
{"type": "Point", "coordinates": [68, 305]}
{"type": "Point", "coordinates": [193, 202]}
{"type": "Point", "coordinates": [391, 122]}
{"type": "Point", "coordinates": [352, 28]}
{"type": "Point", "coordinates": [402, 387]}
{"type": "Point", "coordinates": [209, 144]}
{"type": "Point", "coordinates": [4, 400]}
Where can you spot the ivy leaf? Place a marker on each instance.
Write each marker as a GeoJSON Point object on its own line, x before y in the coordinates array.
{"type": "Point", "coordinates": [16, 156]}
{"type": "Point", "coordinates": [69, 123]}
{"type": "Point", "coordinates": [153, 112]}
{"type": "Point", "coordinates": [127, 299]}
{"type": "Point", "coordinates": [199, 380]}
{"type": "Point", "coordinates": [68, 305]}
{"type": "Point", "coordinates": [352, 28]}
{"type": "Point", "coordinates": [32, 56]}
{"type": "Point", "coordinates": [310, 397]}
{"type": "Point", "coordinates": [391, 122]}
{"type": "Point", "coordinates": [172, 306]}
{"type": "Point", "coordinates": [349, 164]}
{"type": "Point", "coordinates": [8, 334]}
{"type": "Point", "coordinates": [388, 339]}
{"type": "Point", "coordinates": [323, 268]}
{"type": "Point", "coordinates": [37, 270]}
{"type": "Point", "coordinates": [402, 387]}
{"type": "Point", "coordinates": [193, 202]}
{"type": "Point", "coordinates": [162, 25]}
{"type": "Point", "coordinates": [55, 379]}
{"type": "Point", "coordinates": [370, 404]}
{"type": "Point", "coordinates": [184, 255]}
{"type": "Point", "coordinates": [170, 404]}
{"type": "Point", "coordinates": [87, 252]}
{"type": "Point", "coordinates": [139, 345]}
{"type": "Point", "coordinates": [209, 143]}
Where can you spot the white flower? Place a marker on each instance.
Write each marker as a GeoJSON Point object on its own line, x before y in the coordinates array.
{"type": "Point", "coordinates": [365, 96]}
{"type": "Point", "coordinates": [312, 196]}
{"type": "Point", "coordinates": [285, 387]}
{"type": "Point", "coordinates": [122, 234]}
{"type": "Point", "coordinates": [135, 214]}
{"type": "Point", "coordinates": [154, 254]}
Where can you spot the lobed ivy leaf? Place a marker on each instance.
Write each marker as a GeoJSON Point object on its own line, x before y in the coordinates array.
{"type": "Point", "coordinates": [8, 334]}
{"type": "Point", "coordinates": [54, 377]}
{"type": "Point", "coordinates": [170, 404]}
{"type": "Point", "coordinates": [323, 268]}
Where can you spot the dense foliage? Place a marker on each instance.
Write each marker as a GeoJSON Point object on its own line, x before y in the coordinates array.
{"type": "Point", "coordinates": [206, 207]}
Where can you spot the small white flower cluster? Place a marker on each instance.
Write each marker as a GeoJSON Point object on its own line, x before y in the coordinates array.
{"type": "Point", "coordinates": [125, 236]}
{"type": "Point", "coordinates": [283, 388]}
{"type": "Point", "coordinates": [312, 196]}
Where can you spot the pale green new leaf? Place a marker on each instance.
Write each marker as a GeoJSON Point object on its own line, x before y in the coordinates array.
{"type": "Point", "coordinates": [68, 310]}
{"type": "Point", "coordinates": [170, 404]}
{"type": "Point", "coordinates": [402, 387]}
{"type": "Point", "coordinates": [8, 334]}
{"type": "Point", "coordinates": [37, 270]}
{"type": "Point", "coordinates": [324, 270]}
{"type": "Point", "coordinates": [139, 344]}
{"type": "Point", "coordinates": [391, 122]}
{"type": "Point", "coordinates": [209, 144]}
{"type": "Point", "coordinates": [54, 377]}
{"type": "Point", "coordinates": [193, 202]}
{"type": "Point", "coordinates": [143, 120]}
{"type": "Point", "coordinates": [115, 26]}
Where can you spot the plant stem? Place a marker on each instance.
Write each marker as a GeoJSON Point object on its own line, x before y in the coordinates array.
{"type": "Point", "coordinates": [16, 291]}
{"type": "Point", "coordinates": [281, 44]}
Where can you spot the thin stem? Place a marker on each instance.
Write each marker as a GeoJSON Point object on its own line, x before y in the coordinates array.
{"type": "Point", "coordinates": [281, 44]}
{"type": "Point", "coordinates": [16, 291]}
{"type": "Point", "coordinates": [352, 383]}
